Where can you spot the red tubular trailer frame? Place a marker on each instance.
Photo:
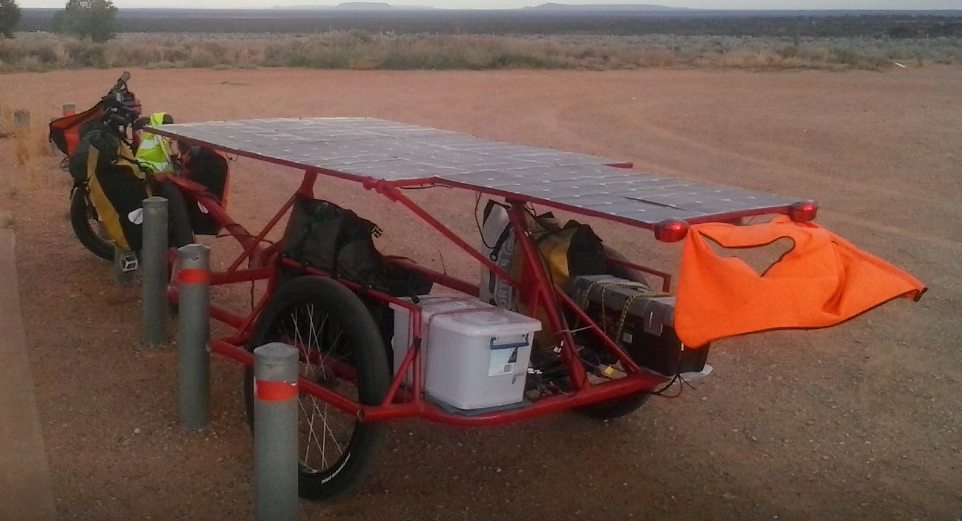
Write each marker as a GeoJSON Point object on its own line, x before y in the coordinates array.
{"type": "Point", "coordinates": [541, 296]}
{"type": "Point", "coordinates": [535, 289]}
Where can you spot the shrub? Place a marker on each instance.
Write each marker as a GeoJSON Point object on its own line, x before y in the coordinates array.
{"type": "Point", "coordinates": [94, 19]}
{"type": "Point", "coordinates": [361, 50]}
{"type": "Point", "coordinates": [85, 54]}
{"type": "Point", "coordinates": [9, 17]}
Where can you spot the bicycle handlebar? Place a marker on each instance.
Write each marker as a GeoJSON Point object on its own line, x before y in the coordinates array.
{"type": "Point", "coordinates": [119, 105]}
{"type": "Point", "coordinates": [119, 88]}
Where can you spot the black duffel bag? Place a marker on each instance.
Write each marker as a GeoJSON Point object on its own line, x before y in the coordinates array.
{"type": "Point", "coordinates": [322, 235]}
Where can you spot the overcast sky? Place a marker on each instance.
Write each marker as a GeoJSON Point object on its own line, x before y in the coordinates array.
{"type": "Point", "coordinates": [490, 4]}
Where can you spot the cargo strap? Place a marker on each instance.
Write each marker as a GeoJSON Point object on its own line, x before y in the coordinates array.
{"type": "Point", "coordinates": [643, 292]}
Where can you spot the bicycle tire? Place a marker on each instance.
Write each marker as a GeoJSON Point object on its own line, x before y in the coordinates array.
{"type": "Point", "coordinates": [83, 220]}
{"type": "Point", "coordinates": [308, 298]}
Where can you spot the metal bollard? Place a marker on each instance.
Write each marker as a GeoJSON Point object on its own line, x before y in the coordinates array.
{"type": "Point", "coordinates": [153, 256]}
{"type": "Point", "coordinates": [21, 118]}
{"type": "Point", "coordinates": [69, 109]}
{"type": "Point", "coordinates": [193, 336]}
{"type": "Point", "coordinates": [275, 432]}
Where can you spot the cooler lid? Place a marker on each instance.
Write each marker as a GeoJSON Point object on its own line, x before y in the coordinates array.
{"type": "Point", "coordinates": [472, 317]}
{"type": "Point", "coordinates": [493, 322]}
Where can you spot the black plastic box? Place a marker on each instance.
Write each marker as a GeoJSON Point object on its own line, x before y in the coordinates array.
{"type": "Point", "coordinates": [647, 330]}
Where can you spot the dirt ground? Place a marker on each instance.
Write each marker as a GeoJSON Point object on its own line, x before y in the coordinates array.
{"type": "Point", "coordinates": [860, 421]}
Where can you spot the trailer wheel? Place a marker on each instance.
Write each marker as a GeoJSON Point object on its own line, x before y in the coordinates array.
{"type": "Point", "coordinates": [340, 349]}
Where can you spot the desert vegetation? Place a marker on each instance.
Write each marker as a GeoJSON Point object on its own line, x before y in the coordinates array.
{"type": "Point", "coordinates": [9, 17]}
{"type": "Point", "coordinates": [363, 50]}
{"type": "Point", "coordinates": [28, 142]}
{"type": "Point", "coordinates": [93, 19]}
{"type": "Point", "coordinates": [593, 39]}
{"type": "Point", "coordinates": [602, 21]}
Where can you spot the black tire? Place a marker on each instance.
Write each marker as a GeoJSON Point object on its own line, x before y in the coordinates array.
{"type": "Point", "coordinates": [624, 405]}
{"type": "Point", "coordinates": [336, 314]}
{"type": "Point", "coordinates": [615, 407]}
{"type": "Point", "coordinates": [83, 219]}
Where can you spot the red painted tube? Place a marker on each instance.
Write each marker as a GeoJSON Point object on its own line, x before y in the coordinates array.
{"type": "Point", "coordinates": [610, 345]}
{"type": "Point", "coordinates": [220, 279]}
{"type": "Point", "coordinates": [225, 348]}
{"type": "Point", "coordinates": [439, 278]}
{"type": "Point", "coordinates": [637, 383]}
{"type": "Point", "coordinates": [253, 246]}
{"type": "Point", "coordinates": [396, 195]}
{"type": "Point", "coordinates": [665, 277]}
{"type": "Point", "coordinates": [543, 287]}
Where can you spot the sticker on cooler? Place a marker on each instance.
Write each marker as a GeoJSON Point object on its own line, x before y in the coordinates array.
{"type": "Point", "coordinates": [472, 354]}
{"type": "Point", "coordinates": [504, 355]}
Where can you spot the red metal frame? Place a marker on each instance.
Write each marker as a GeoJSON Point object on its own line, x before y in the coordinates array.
{"type": "Point", "coordinates": [538, 295]}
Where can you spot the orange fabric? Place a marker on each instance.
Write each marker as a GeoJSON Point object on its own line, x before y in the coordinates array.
{"type": "Point", "coordinates": [65, 131]}
{"type": "Point", "coordinates": [822, 281]}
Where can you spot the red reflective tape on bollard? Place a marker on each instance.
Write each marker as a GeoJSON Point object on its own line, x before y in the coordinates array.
{"type": "Point", "coordinates": [194, 276]}
{"type": "Point", "coordinates": [274, 391]}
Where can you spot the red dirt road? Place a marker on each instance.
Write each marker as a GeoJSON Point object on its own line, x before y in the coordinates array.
{"type": "Point", "coordinates": [857, 421]}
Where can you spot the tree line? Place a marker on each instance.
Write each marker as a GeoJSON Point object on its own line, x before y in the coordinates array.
{"type": "Point", "coordinates": [93, 19]}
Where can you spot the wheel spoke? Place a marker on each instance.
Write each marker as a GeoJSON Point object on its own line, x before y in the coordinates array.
{"type": "Point", "coordinates": [319, 346]}
{"type": "Point", "coordinates": [310, 432]}
{"type": "Point", "coordinates": [327, 427]}
{"type": "Point", "coordinates": [324, 436]}
{"type": "Point", "coordinates": [339, 351]}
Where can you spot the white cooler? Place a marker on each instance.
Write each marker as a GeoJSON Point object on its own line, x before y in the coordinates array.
{"type": "Point", "coordinates": [474, 355]}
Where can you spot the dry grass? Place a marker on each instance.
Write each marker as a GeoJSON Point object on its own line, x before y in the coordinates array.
{"type": "Point", "coordinates": [31, 152]}
{"type": "Point", "coordinates": [362, 50]}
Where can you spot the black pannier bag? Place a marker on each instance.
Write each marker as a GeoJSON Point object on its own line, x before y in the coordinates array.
{"type": "Point", "coordinates": [322, 235]}
{"type": "Point", "coordinates": [77, 163]}
{"type": "Point", "coordinates": [210, 169]}
{"type": "Point", "coordinates": [115, 184]}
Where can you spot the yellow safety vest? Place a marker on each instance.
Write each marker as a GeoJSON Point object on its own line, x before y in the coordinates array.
{"type": "Point", "coordinates": [153, 154]}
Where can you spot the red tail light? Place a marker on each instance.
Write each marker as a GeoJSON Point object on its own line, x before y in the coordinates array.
{"type": "Point", "coordinates": [803, 211]}
{"type": "Point", "coordinates": [671, 230]}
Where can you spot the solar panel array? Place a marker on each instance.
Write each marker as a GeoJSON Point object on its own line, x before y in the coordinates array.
{"type": "Point", "coordinates": [364, 147]}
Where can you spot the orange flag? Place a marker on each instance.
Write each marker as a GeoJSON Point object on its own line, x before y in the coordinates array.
{"type": "Point", "coordinates": [822, 281]}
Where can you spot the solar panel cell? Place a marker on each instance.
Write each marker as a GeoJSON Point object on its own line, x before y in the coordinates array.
{"type": "Point", "coordinates": [359, 148]}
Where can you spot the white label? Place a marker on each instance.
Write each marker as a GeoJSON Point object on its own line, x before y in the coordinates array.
{"type": "Point", "coordinates": [502, 361]}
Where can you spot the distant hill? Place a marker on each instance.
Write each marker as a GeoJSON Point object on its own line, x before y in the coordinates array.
{"type": "Point", "coordinates": [355, 6]}
{"type": "Point", "coordinates": [603, 7]}
{"type": "Point", "coordinates": [550, 6]}
{"type": "Point", "coordinates": [364, 5]}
